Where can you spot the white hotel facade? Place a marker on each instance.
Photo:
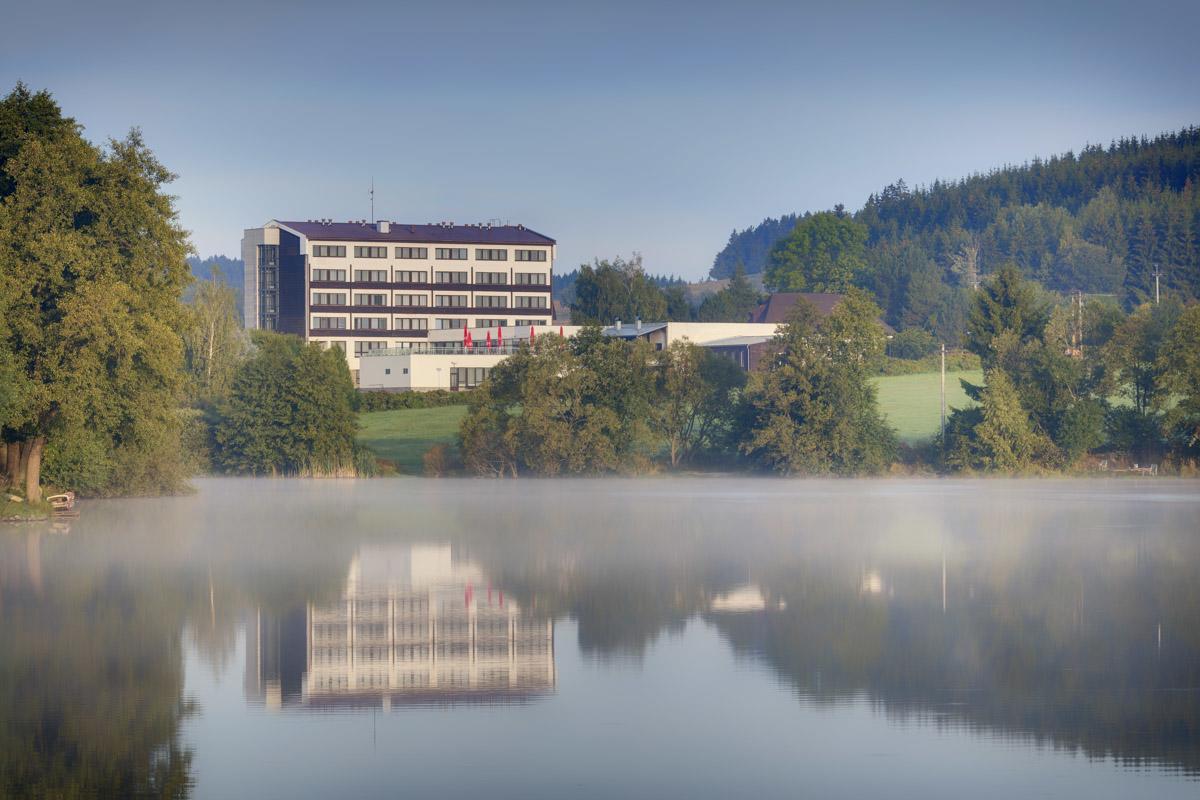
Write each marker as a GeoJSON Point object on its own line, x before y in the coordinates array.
{"type": "Point", "coordinates": [363, 287]}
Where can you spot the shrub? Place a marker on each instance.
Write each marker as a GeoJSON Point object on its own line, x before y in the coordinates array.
{"type": "Point", "coordinates": [390, 401]}
{"type": "Point", "coordinates": [912, 344]}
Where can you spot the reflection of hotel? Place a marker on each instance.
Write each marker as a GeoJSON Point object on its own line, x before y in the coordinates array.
{"type": "Point", "coordinates": [411, 626]}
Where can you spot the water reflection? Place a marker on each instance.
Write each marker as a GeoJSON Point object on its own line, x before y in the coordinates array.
{"type": "Point", "coordinates": [983, 619]}
{"type": "Point", "coordinates": [412, 626]}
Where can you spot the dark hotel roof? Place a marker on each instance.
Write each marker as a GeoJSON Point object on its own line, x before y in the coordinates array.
{"type": "Point", "coordinates": [440, 233]}
{"type": "Point", "coordinates": [780, 304]}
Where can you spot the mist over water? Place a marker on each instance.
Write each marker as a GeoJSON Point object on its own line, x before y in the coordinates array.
{"type": "Point", "coordinates": [703, 637]}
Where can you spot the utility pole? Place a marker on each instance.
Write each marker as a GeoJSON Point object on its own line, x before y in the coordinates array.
{"type": "Point", "coordinates": [372, 193]}
{"type": "Point", "coordinates": [1157, 274]}
{"type": "Point", "coordinates": [943, 396]}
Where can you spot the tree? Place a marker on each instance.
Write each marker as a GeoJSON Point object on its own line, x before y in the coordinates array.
{"type": "Point", "coordinates": [1132, 355]}
{"type": "Point", "coordinates": [1006, 303]}
{"type": "Point", "coordinates": [538, 411]}
{"type": "Point", "coordinates": [214, 342]}
{"type": "Point", "coordinates": [290, 411]}
{"type": "Point", "coordinates": [1001, 438]}
{"type": "Point", "coordinates": [1179, 366]}
{"type": "Point", "coordinates": [610, 290]}
{"type": "Point", "coordinates": [814, 410]}
{"type": "Point", "coordinates": [825, 252]}
{"type": "Point", "coordinates": [91, 273]}
{"type": "Point", "coordinates": [694, 398]}
{"type": "Point", "coordinates": [734, 303]}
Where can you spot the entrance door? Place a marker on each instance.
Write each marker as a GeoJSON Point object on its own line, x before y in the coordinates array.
{"type": "Point", "coordinates": [454, 380]}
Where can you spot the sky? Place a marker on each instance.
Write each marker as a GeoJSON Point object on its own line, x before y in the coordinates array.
{"type": "Point", "coordinates": [615, 127]}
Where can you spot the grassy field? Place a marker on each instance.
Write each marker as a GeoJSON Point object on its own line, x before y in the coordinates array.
{"type": "Point", "coordinates": [911, 403]}
{"type": "Point", "coordinates": [402, 436]}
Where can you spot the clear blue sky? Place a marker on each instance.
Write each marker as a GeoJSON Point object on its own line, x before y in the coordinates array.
{"type": "Point", "coordinates": [613, 126]}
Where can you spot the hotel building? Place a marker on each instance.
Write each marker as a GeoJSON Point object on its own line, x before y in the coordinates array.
{"type": "Point", "coordinates": [362, 286]}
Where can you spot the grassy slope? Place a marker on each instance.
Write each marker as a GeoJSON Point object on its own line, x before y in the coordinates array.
{"type": "Point", "coordinates": [404, 435]}
{"type": "Point", "coordinates": [911, 402]}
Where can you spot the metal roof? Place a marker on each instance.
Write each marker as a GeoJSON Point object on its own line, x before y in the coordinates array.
{"type": "Point", "coordinates": [441, 233]}
{"type": "Point", "coordinates": [631, 330]}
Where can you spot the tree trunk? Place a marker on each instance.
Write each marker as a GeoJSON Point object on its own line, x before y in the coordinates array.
{"type": "Point", "coordinates": [14, 463]}
{"type": "Point", "coordinates": [33, 470]}
{"type": "Point", "coordinates": [4, 459]}
{"type": "Point", "coordinates": [22, 459]}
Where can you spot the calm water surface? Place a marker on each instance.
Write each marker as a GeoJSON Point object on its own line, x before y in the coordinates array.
{"type": "Point", "coordinates": [690, 638]}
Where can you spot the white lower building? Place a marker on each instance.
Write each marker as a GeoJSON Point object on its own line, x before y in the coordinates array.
{"type": "Point", "coordinates": [445, 362]}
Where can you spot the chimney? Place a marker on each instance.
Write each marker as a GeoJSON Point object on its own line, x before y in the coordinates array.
{"type": "Point", "coordinates": [383, 226]}
{"type": "Point", "coordinates": [639, 323]}
{"type": "Point", "coordinates": [617, 325]}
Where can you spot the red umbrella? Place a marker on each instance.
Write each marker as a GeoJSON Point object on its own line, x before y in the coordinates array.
{"type": "Point", "coordinates": [560, 332]}
{"type": "Point", "coordinates": [465, 339]}
{"type": "Point", "coordinates": [469, 342]}
{"type": "Point", "coordinates": [531, 334]}
{"type": "Point", "coordinates": [500, 336]}
{"type": "Point", "coordinates": [489, 340]}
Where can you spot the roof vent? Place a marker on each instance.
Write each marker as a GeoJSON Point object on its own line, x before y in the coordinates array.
{"type": "Point", "coordinates": [383, 226]}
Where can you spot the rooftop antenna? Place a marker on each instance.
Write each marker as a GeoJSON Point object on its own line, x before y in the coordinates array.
{"type": "Point", "coordinates": [372, 193]}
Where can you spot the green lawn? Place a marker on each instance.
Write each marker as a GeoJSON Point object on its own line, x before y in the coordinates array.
{"type": "Point", "coordinates": [404, 435]}
{"type": "Point", "coordinates": [913, 404]}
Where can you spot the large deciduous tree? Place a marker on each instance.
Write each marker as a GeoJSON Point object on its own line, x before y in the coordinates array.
{"type": "Point", "coordinates": [825, 252]}
{"type": "Point", "coordinates": [213, 339]}
{"type": "Point", "coordinates": [610, 290]}
{"type": "Point", "coordinates": [290, 411]}
{"type": "Point", "coordinates": [814, 410]}
{"type": "Point", "coordinates": [92, 268]}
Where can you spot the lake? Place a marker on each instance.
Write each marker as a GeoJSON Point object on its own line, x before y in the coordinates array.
{"type": "Point", "coordinates": [704, 637]}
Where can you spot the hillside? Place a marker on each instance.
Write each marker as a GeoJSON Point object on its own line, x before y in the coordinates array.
{"type": "Point", "coordinates": [1098, 221]}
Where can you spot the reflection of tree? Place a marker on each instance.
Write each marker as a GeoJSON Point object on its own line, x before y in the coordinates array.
{"type": "Point", "coordinates": [91, 679]}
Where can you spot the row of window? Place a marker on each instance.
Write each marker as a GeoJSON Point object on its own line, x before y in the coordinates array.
{"type": "Point", "coordinates": [443, 253]}
{"type": "Point", "coordinates": [415, 323]}
{"type": "Point", "coordinates": [420, 300]}
{"type": "Point", "coordinates": [441, 276]}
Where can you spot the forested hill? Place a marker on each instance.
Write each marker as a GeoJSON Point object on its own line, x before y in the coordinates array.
{"type": "Point", "coordinates": [751, 246]}
{"type": "Point", "coordinates": [1097, 221]}
{"type": "Point", "coordinates": [231, 268]}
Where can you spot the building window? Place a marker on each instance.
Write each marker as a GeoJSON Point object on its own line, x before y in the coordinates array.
{"type": "Point", "coordinates": [531, 278]}
{"type": "Point", "coordinates": [490, 255]}
{"type": "Point", "coordinates": [411, 324]}
{"type": "Point", "coordinates": [452, 253]}
{"type": "Point", "coordinates": [411, 276]}
{"type": "Point", "coordinates": [449, 324]}
{"type": "Point", "coordinates": [370, 252]}
{"type": "Point", "coordinates": [339, 345]}
{"type": "Point", "coordinates": [412, 252]}
{"type": "Point", "coordinates": [371, 275]}
{"type": "Point", "coordinates": [530, 302]}
{"type": "Point", "coordinates": [329, 251]}
{"type": "Point", "coordinates": [370, 323]}
{"type": "Point", "coordinates": [450, 300]}
{"type": "Point", "coordinates": [329, 298]}
{"type": "Point", "coordinates": [487, 301]}
{"type": "Point", "coordinates": [469, 377]}
{"type": "Point", "coordinates": [492, 278]}
{"type": "Point", "coordinates": [491, 323]}
{"type": "Point", "coordinates": [449, 277]}
{"type": "Point", "coordinates": [387, 370]}
{"type": "Point", "coordinates": [531, 255]}
{"type": "Point", "coordinates": [411, 300]}
{"type": "Point", "coordinates": [329, 323]}
{"type": "Point", "coordinates": [521, 323]}
{"type": "Point", "coordinates": [366, 347]}
{"type": "Point", "coordinates": [370, 300]}
{"type": "Point", "coordinates": [337, 275]}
